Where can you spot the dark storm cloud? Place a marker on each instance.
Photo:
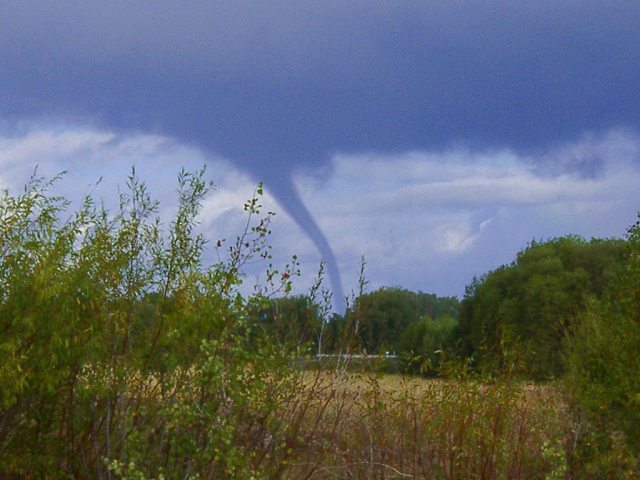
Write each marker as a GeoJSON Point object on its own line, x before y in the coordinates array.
{"type": "Point", "coordinates": [280, 87]}
{"type": "Point", "coordinates": [298, 82]}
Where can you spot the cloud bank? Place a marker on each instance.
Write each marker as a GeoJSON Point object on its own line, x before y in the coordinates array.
{"type": "Point", "coordinates": [424, 220]}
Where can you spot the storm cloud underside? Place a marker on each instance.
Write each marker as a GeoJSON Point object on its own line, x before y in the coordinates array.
{"type": "Point", "coordinates": [279, 89]}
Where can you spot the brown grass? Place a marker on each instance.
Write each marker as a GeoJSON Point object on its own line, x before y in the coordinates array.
{"type": "Point", "coordinates": [391, 426]}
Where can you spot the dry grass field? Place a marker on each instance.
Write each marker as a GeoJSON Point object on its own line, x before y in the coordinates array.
{"type": "Point", "coordinates": [391, 426]}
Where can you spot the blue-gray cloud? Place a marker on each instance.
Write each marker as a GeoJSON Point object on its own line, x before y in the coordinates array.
{"type": "Point", "coordinates": [299, 82]}
{"type": "Point", "coordinates": [276, 88]}
{"type": "Point", "coordinates": [424, 220]}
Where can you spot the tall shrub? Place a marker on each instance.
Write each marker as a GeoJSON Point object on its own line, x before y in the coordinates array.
{"type": "Point", "coordinates": [123, 355]}
{"type": "Point", "coordinates": [603, 377]}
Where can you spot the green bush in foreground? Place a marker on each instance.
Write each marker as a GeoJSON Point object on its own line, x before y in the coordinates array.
{"type": "Point", "coordinates": [121, 352]}
{"type": "Point", "coordinates": [604, 374]}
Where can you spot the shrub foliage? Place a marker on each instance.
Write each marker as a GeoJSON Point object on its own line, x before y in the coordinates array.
{"type": "Point", "coordinates": [122, 352]}
{"type": "Point", "coordinates": [518, 316]}
{"type": "Point", "coordinates": [603, 377]}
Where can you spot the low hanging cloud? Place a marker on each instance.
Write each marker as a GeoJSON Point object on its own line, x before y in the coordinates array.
{"type": "Point", "coordinates": [423, 220]}
{"type": "Point", "coordinates": [433, 220]}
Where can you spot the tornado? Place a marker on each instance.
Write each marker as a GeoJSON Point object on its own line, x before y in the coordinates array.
{"type": "Point", "coordinates": [288, 197]}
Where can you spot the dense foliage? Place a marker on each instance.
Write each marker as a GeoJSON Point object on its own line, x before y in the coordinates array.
{"type": "Point", "coordinates": [292, 321]}
{"type": "Point", "coordinates": [569, 308]}
{"type": "Point", "coordinates": [604, 371]}
{"type": "Point", "coordinates": [381, 317]}
{"type": "Point", "coordinates": [424, 345]}
{"type": "Point", "coordinates": [519, 315]}
{"type": "Point", "coordinates": [122, 353]}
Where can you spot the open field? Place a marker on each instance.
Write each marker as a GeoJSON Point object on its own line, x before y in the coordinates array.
{"type": "Point", "coordinates": [392, 426]}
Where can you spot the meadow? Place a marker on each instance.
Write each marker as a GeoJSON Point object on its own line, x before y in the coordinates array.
{"type": "Point", "coordinates": [393, 426]}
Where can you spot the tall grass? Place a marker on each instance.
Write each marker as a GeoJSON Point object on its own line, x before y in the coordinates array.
{"type": "Point", "coordinates": [395, 427]}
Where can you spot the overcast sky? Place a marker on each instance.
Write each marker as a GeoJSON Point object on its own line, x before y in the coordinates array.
{"type": "Point", "coordinates": [435, 138]}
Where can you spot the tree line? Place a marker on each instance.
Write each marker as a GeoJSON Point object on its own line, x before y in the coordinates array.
{"type": "Point", "coordinates": [522, 316]}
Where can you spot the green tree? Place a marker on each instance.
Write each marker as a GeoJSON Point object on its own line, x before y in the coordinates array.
{"type": "Point", "coordinates": [293, 321]}
{"type": "Point", "coordinates": [387, 312]}
{"type": "Point", "coordinates": [123, 355]}
{"type": "Point", "coordinates": [519, 315]}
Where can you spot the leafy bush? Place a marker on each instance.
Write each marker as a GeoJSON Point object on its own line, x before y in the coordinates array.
{"type": "Point", "coordinates": [123, 353]}
{"type": "Point", "coordinates": [423, 344]}
{"type": "Point", "coordinates": [517, 316]}
{"type": "Point", "coordinates": [603, 377]}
